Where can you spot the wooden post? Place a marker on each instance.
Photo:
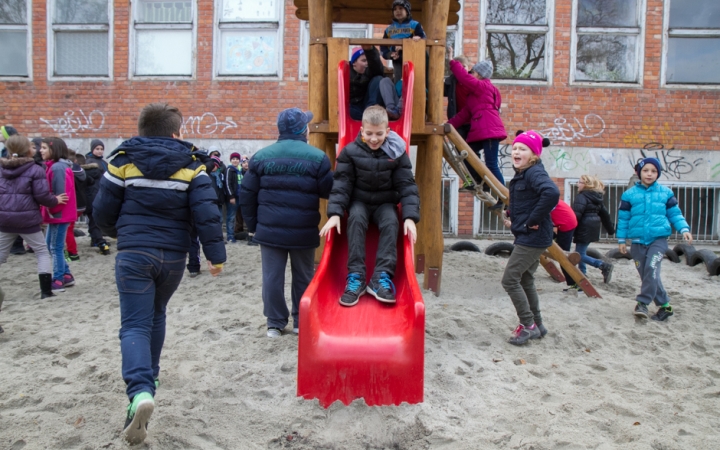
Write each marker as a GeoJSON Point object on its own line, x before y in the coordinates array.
{"type": "Point", "coordinates": [338, 49]}
{"type": "Point", "coordinates": [415, 51]}
{"type": "Point", "coordinates": [420, 244]}
{"type": "Point", "coordinates": [430, 172]}
{"type": "Point", "coordinates": [317, 86]}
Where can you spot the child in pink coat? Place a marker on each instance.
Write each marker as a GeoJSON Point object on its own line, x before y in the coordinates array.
{"type": "Point", "coordinates": [59, 174]}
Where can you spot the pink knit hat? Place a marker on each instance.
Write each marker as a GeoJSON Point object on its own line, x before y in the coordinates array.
{"type": "Point", "coordinates": [532, 139]}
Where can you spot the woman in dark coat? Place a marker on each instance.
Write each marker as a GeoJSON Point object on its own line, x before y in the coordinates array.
{"type": "Point", "coordinates": [591, 215]}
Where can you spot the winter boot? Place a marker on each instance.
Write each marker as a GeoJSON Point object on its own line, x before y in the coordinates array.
{"type": "Point", "coordinates": [46, 285]}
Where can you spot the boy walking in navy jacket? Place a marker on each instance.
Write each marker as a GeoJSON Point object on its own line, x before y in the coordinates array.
{"type": "Point", "coordinates": [153, 192]}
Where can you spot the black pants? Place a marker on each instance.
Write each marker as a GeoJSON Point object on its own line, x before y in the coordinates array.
{"type": "Point", "coordinates": [385, 217]}
{"type": "Point", "coordinates": [564, 241]}
{"type": "Point", "coordinates": [193, 264]}
{"type": "Point", "coordinates": [96, 236]}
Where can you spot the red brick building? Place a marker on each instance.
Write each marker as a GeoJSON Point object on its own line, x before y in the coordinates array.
{"type": "Point", "coordinates": [601, 78]}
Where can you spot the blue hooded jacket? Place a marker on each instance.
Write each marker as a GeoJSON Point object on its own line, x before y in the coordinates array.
{"type": "Point", "coordinates": [646, 212]}
{"type": "Point", "coordinates": [153, 192]}
{"type": "Point", "coordinates": [280, 193]}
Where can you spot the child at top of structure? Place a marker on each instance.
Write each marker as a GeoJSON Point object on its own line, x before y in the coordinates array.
{"type": "Point", "coordinates": [23, 187]}
{"type": "Point", "coordinates": [591, 215]}
{"type": "Point", "coordinates": [154, 192]}
{"type": "Point", "coordinates": [373, 175]}
{"type": "Point", "coordinates": [647, 210]}
{"type": "Point", "coordinates": [533, 195]}
{"type": "Point", "coordinates": [402, 27]}
{"type": "Point", "coordinates": [368, 86]}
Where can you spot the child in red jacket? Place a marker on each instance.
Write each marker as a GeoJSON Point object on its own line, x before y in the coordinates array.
{"type": "Point", "coordinates": [563, 218]}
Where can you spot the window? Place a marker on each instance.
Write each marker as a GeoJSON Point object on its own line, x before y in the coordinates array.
{"type": "Point", "coordinates": [453, 42]}
{"type": "Point", "coordinates": [345, 30]}
{"type": "Point", "coordinates": [692, 48]}
{"type": "Point", "coordinates": [248, 42]}
{"type": "Point", "coordinates": [516, 36]}
{"type": "Point", "coordinates": [164, 38]}
{"type": "Point", "coordinates": [80, 38]}
{"type": "Point", "coordinates": [608, 41]}
{"type": "Point", "coordinates": [14, 38]}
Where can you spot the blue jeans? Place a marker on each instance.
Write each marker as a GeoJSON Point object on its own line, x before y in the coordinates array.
{"type": "Point", "coordinates": [490, 149]}
{"type": "Point", "coordinates": [55, 239]}
{"type": "Point", "coordinates": [230, 220]}
{"type": "Point", "coordinates": [372, 97]}
{"type": "Point", "coordinates": [585, 259]}
{"type": "Point", "coordinates": [146, 279]}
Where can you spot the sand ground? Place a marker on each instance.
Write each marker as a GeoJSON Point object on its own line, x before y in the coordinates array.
{"type": "Point", "coordinates": [599, 380]}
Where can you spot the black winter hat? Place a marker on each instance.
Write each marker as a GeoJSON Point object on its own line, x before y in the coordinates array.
{"type": "Point", "coordinates": [404, 3]}
{"type": "Point", "coordinates": [95, 142]}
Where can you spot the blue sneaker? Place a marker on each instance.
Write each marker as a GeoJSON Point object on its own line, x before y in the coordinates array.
{"type": "Point", "coordinates": [353, 290]}
{"type": "Point", "coordinates": [138, 416]}
{"type": "Point", "coordinates": [382, 288]}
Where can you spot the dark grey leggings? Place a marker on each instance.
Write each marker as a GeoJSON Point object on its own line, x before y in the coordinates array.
{"type": "Point", "coordinates": [519, 282]}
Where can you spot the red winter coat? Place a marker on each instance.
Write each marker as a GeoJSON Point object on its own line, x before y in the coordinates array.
{"type": "Point", "coordinates": [563, 217]}
{"type": "Point", "coordinates": [482, 107]}
{"type": "Point", "coordinates": [60, 176]}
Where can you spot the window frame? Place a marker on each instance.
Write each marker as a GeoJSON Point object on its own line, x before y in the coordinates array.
{"type": "Point", "coordinates": [682, 32]}
{"type": "Point", "coordinates": [132, 44]}
{"type": "Point", "coordinates": [249, 25]}
{"type": "Point", "coordinates": [52, 28]}
{"type": "Point", "coordinates": [303, 57]}
{"type": "Point", "coordinates": [548, 29]}
{"type": "Point", "coordinates": [610, 31]}
{"type": "Point", "coordinates": [28, 44]}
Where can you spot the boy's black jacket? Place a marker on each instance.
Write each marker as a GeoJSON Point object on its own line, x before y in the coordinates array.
{"type": "Point", "coordinates": [373, 178]}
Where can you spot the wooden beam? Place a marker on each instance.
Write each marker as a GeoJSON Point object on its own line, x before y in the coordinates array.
{"type": "Point", "coordinates": [338, 49]}
{"type": "Point", "coordinates": [429, 174]}
{"type": "Point", "coordinates": [363, 15]}
{"type": "Point", "coordinates": [379, 41]}
{"type": "Point", "coordinates": [415, 51]}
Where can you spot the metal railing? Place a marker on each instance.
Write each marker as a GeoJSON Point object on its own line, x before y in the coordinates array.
{"type": "Point", "coordinates": [699, 202]}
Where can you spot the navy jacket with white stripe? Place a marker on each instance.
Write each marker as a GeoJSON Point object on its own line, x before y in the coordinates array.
{"type": "Point", "coordinates": [153, 192]}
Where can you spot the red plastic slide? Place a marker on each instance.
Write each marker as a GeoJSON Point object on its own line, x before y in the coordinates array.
{"type": "Point", "coordinates": [372, 350]}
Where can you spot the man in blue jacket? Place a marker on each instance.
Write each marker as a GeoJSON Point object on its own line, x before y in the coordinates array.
{"type": "Point", "coordinates": [152, 193]}
{"type": "Point", "coordinates": [280, 202]}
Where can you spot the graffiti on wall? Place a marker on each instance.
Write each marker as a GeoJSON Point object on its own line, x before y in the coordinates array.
{"type": "Point", "coordinates": [75, 122]}
{"type": "Point", "coordinates": [568, 161]}
{"type": "Point", "coordinates": [656, 133]}
{"type": "Point", "coordinates": [564, 131]}
{"type": "Point", "coordinates": [206, 124]}
{"type": "Point", "coordinates": [674, 163]}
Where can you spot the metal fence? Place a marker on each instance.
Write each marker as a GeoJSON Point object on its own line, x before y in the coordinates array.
{"type": "Point", "coordinates": [699, 202]}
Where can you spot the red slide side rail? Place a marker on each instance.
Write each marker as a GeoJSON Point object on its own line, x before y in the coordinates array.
{"type": "Point", "coordinates": [372, 350]}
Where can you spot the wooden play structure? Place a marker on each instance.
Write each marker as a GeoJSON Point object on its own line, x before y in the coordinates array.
{"type": "Point", "coordinates": [326, 52]}
{"type": "Point", "coordinates": [374, 350]}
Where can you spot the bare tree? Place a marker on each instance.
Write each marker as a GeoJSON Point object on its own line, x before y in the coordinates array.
{"type": "Point", "coordinates": [13, 11]}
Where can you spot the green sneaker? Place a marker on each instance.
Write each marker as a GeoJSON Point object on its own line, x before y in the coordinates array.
{"type": "Point", "coordinates": [157, 383]}
{"type": "Point", "coordinates": [138, 416]}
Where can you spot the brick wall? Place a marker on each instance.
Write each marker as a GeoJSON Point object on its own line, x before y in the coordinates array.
{"type": "Point", "coordinates": [679, 118]}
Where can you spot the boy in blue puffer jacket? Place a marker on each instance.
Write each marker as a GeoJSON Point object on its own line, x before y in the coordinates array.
{"type": "Point", "coordinates": [154, 192]}
{"type": "Point", "coordinates": [646, 212]}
